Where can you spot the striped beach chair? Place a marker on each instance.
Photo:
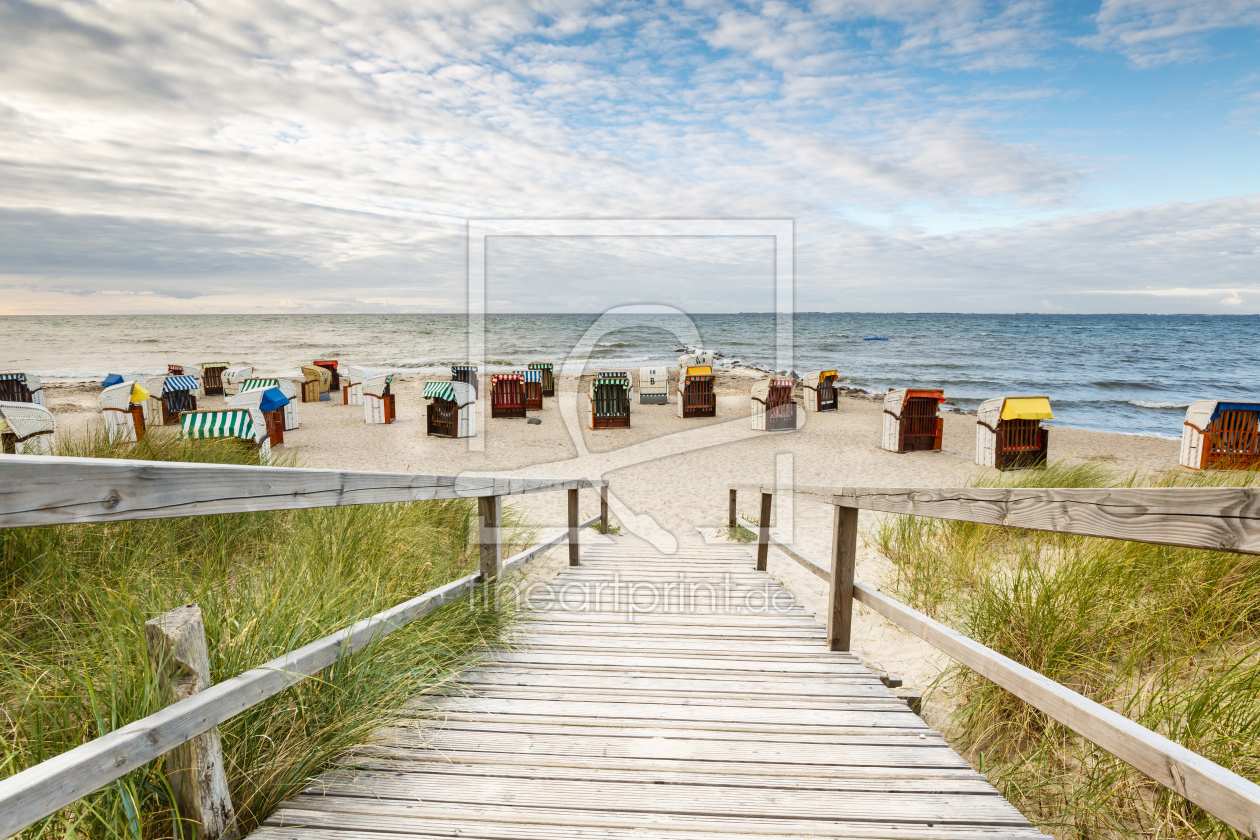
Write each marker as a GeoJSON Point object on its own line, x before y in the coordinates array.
{"type": "Point", "coordinates": [315, 384]}
{"type": "Point", "coordinates": [697, 396]}
{"type": "Point", "coordinates": [773, 409]}
{"type": "Point", "coordinates": [911, 423]}
{"type": "Point", "coordinates": [334, 378]}
{"type": "Point", "coordinates": [246, 424]}
{"type": "Point", "coordinates": [654, 385]}
{"type": "Point", "coordinates": [176, 395]}
{"type": "Point", "coordinates": [211, 377]}
{"type": "Point", "coordinates": [26, 428]}
{"type": "Point", "coordinates": [1221, 436]}
{"type": "Point", "coordinates": [465, 373]}
{"type": "Point", "coordinates": [533, 388]}
{"type": "Point", "coordinates": [819, 391]}
{"type": "Point", "coordinates": [270, 402]}
{"type": "Point", "coordinates": [507, 395]}
{"type": "Point", "coordinates": [378, 402]}
{"type": "Point", "coordinates": [352, 390]}
{"type": "Point", "coordinates": [233, 377]}
{"type": "Point", "coordinates": [122, 407]}
{"type": "Point", "coordinates": [453, 410]}
{"type": "Point", "coordinates": [1009, 435]}
{"type": "Point", "coordinates": [18, 386]}
{"type": "Point", "coordinates": [610, 400]}
{"type": "Point", "coordinates": [548, 377]}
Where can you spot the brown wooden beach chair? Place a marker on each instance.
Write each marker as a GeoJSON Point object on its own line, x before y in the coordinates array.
{"type": "Point", "coordinates": [465, 373]}
{"type": "Point", "coordinates": [773, 409]}
{"type": "Point", "coordinates": [507, 395]}
{"type": "Point", "coordinates": [532, 380]}
{"type": "Point", "coordinates": [548, 377]}
{"type": "Point", "coordinates": [453, 410]}
{"type": "Point", "coordinates": [697, 397]}
{"type": "Point", "coordinates": [1221, 436]}
{"type": "Point", "coordinates": [17, 386]}
{"type": "Point", "coordinates": [211, 377]}
{"type": "Point", "coordinates": [911, 423]}
{"type": "Point", "coordinates": [819, 391]}
{"type": "Point", "coordinates": [610, 401]}
{"type": "Point", "coordinates": [1009, 434]}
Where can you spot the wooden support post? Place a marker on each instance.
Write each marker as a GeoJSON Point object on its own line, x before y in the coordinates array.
{"type": "Point", "coordinates": [843, 561]}
{"type": "Point", "coordinates": [176, 642]}
{"type": "Point", "coordinates": [574, 547]}
{"type": "Point", "coordinates": [603, 509]}
{"type": "Point", "coordinates": [763, 532]}
{"type": "Point", "coordinates": [730, 515]}
{"type": "Point", "coordinates": [489, 536]}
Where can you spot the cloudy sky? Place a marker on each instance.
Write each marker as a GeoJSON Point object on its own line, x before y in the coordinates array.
{"type": "Point", "coordinates": [325, 155]}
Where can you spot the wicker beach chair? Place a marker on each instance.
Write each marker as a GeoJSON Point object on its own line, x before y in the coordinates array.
{"type": "Point", "coordinates": [533, 388]}
{"type": "Point", "coordinates": [211, 377]}
{"type": "Point", "coordinates": [507, 395]}
{"type": "Point", "coordinates": [773, 409]}
{"type": "Point", "coordinates": [1009, 435]}
{"type": "Point", "coordinates": [287, 387]}
{"type": "Point", "coordinates": [548, 377]}
{"type": "Point", "coordinates": [175, 395]}
{"type": "Point", "coordinates": [316, 382]}
{"type": "Point", "coordinates": [233, 377]}
{"type": "Point", "coordinates": [270, 402]}
{"type": "Point", "coordinates": [453, 410]}
{"type": "Point", "coordinates": [465, 373]}
{"type": "Point", "coordinates": [352, 387]}
{"type": "Point", "coordinates": [654, 385]}
{"type": "Point", "coordinates": [696, 394]}
{"type": "Point", "coordinates": [911, 423]}
{"type": "Point", "coordinates": [18, 386]}
{"type": "Point", "coordinates": [122, 406]}
{"type": "Point", "coordinates": [26, 428]}
{"type": "Point", "coordinates": [819, 389]}
{"type": "Point", "coordinates": [334, 378]}
{"type": "Point", "coordinates": [245, 424]}
{"type": "Point", "coordinates": [1221, 436]}
{"type": "Point", "coordinates": [378, 402]}
{"type": "Point", "coordinates": [610, 400]}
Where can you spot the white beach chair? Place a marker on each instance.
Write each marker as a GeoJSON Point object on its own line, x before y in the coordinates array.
{"type": "Point", "coordinates": [26, 428]}
{"type": "Point", "coordinates": [696, 385]}
{"type": "Point", "coordinates": [22, 387]}
{"type": "Point", "coordinates": [453, 410]}
{"type": "Point", "coordinates": [246, 423]}
{"type": "Point", "coordinates": [352, 389]}
{"type": "Point", "coordinates": [818, 389]}
{"type": "Point", "coordinates": [654, 385]}
{"type": "Point", "coordinates": [263, 401]}
{"type": "Point", "coordinates": [122, 407]}
{"type": "Point", "coordinates": [773, 409]}
{"type": "Point", "coordinates": [153, 408]}
{"type": "Point", "coordinates": [911, 422]}
{"type": "Point", "coordinates": [233, 377]}
{"type": "Point", "coordinates": [1220, 435]}
{"type": "Point", "coordinates": [1009, 433]}
{"type": "Point", "coordinates": [378, 402]}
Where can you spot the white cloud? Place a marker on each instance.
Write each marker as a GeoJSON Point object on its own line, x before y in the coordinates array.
{"type": "Point", "coordinates": [1152, 32]}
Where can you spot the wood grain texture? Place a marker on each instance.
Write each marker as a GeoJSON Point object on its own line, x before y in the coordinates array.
{"type": "Point", "coordinates": [1216, 518]}
{"type": "Point", "coordinates": [44, 490]}
{"type": "Point", "coordinates": [840, 586]}
{"type": "Point", "coordinates": [763, 531]}
{"type": "Point", "coordinates": [574, 530]}
{"type": "Point", "coordinates": [1224, 794]}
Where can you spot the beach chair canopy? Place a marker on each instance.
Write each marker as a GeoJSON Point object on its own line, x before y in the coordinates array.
{"type": "Point", "coordinates": [460, 393]}
{"type": "Point", "coordinates": [255, 383]}
{"type": "Point", "coordinates": [25, 420]}
{"type": "Point", "coordinates": [265, 400]}
{"type": "Point", "coordinates": [816, 377]}
{"type": "Point", "coordinates": [123, 395]}
{"type": "Point", "coordinates": [323, 376]}
{"type": "Point", "coordinates": [378, 386]}
{"type": "Point", "coordinates": [328, 363]}
{"type": "Point", "coordinates": [540, 366]}
{"type": "Point", "coordinates": [611, 379]}
{"type": "Point", "coordinates": [358, 374]}
{"type": "Point", "coordinates": [243, 423]}
{"type": "Point", "coordinates": [173, 384]}
{"type": "Point", "coordinates": [116, 378]}
{"type": "Point", "coordinates": [205, 366]}
{"type": "Point", "coordinates": [1201, 413]}
{"type": "Point", "coordinates": [779, 389]}
{"type": "Point", "coordinates": [703, 358]}
{"type": "Point", "coordinates": [529, 375]}
{"type": "Point", "coordinates": [1026, 408]}
{"type": "Point", "coordinates": [896, 399]}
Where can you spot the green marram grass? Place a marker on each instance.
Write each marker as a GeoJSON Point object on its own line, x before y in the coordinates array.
{"type": "Point", "coordinates": [74, 599]}
{"type": "Point", "coordinates": [1169, 637]}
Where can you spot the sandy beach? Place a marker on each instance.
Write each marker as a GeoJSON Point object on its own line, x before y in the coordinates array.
{"type": "Point", "coordinates": [669, 478]}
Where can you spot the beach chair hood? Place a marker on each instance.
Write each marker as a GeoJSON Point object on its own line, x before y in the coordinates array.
{"type": "Point", "coordinates": [172, 384]}
{"type": "Point", "coordinates": [258, 383]}
{"type": "Point", "coordinates": [25, 420]}
{"type": "Point", "coordinates": [896, 399]}
{"type": "Point", "coordinates": [378, 385]}
{"type": "Point", "coordinates": [460, 393]}
{"type": "Point", "coordinates": [814, 378]}
{"type": "Point", "coordinates": [1026, 408]}
{"type": "Point", "coordinates": [358, 374]}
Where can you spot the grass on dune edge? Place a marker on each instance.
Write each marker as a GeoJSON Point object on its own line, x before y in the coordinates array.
{"type": "Point", "coordinates": [1167, 636]}
{"type": "Point", "coordinates": [74, 599]}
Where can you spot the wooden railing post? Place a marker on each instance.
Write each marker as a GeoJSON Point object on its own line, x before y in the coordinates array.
{"type": "Point", "coordinates": [176, 643]}
{"type": "Point", "coordinates": [763, 532]}
{"type": "Point", "coordinates": [574, 547]}
{"type": "Point", "coordinates": [603, 509]}
{"type": "Point", "coordinates": [730, 514]}
{"type": "Point", "coordinates": [489, 536]}
{"type": "Point", "coordinates": [843, 562]}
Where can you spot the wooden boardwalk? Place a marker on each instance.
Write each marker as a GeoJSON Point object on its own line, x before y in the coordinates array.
{"type": "Point", "coordinates": [698, 712]}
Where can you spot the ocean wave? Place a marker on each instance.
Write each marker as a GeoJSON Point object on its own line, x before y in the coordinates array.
{"type": "Point", "coordinates": [1149, 404]}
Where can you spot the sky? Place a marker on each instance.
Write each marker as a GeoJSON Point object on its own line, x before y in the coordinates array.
{"type": "Point", "coordinates": [184, 156]}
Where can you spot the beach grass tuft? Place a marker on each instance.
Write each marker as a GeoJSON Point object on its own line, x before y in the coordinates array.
{"type": "Point", "coordinates": [1169, 637]}
{"type": "Point", "coordinates": [74, 599]}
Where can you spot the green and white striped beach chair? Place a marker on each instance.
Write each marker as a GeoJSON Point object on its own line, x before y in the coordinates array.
{"type": "Point", "coordinates": [242, 423]}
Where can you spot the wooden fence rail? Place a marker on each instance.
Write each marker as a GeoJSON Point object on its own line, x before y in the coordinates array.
{"type": "Point", "coordinates": [44, 490]}
{"type": "Point", "coordinates": [1218, 519]}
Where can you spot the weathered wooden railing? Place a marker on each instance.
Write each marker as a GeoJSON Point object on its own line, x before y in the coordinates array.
{"type": "Point", "coordinates": [1218, 519]}
{"type": "Point", "coordinates": [36, 490]}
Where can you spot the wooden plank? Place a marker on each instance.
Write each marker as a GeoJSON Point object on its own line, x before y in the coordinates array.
{"type": "Point", "coordinates": [47, 490]}
{"type": "Point", "coordinates": [1220, 792]}
{"type": "Point", "coordinates": [518, 560]}
{"type": "Point", "coordinates": [796, 554]}
{"type": "Point", "coordinates": [763, 531]}
{"type": "Point", "coordinates": [490, 536]}
{"type": "Point", "coordinates": [574, 541]}
{"type": "Point", "coordinates": [1216, 518]}
{"type": "Point", "coordinates": [840, 590]}
{"type": "Point", "coordinates": [41, 790]}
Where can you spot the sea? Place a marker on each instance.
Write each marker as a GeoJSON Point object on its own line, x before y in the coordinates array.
{"type": "Point", "coordinates": [1133, 374]}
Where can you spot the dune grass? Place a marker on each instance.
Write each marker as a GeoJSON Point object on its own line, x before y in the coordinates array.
{"type": "Point", "coordinates": [74, 599]}
{"type": "Point", "coordinates": [1166, 636]}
